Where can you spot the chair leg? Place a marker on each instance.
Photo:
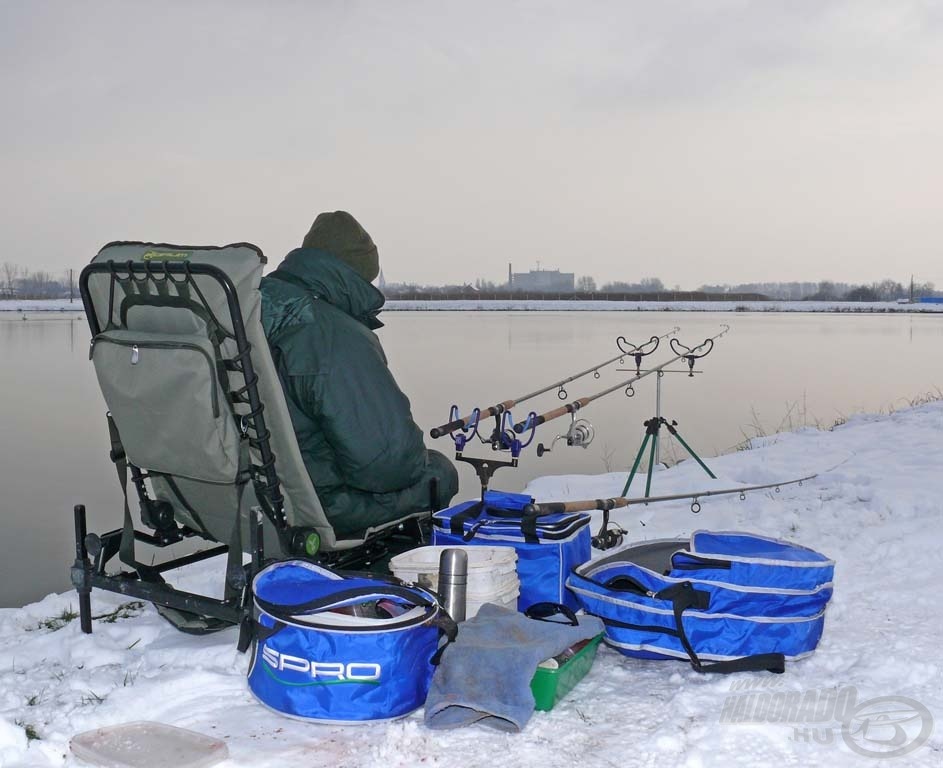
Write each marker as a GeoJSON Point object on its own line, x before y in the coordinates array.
{"type": "Point", "coordinates": [82, 571]}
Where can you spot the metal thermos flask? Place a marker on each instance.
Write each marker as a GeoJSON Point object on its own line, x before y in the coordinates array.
{"type": "Point", "coordinates": [453, 580]}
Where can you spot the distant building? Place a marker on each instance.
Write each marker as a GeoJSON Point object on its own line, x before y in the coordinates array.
{"type": "Point", "coordinates": [542, 281]}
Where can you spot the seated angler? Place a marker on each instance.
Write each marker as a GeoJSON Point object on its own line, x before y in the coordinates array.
{"type": "Point", "coordinates": [361, 447]}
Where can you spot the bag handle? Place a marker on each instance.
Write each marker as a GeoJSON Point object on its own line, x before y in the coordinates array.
{"type": "Point", "coordinates": [620, 583]}
{"type": "Point", "coordinates": [683, 596]}
{"type": "Point", "coordinates": [457, 523]}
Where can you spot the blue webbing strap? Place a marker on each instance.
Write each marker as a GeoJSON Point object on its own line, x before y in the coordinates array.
{"type": "Point", "coordinates": [683, 596]}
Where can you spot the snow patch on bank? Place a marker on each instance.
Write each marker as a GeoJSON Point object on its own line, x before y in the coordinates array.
{"type": "Point", "coordinates": [875, 508]}
{"type": "Point", "coordinates": [562, 305]}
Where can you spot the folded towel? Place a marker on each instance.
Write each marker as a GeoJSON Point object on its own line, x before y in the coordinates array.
{"type": "Point", "coordinates": [485, 675]}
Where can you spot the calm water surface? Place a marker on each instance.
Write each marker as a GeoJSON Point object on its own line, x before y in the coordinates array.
{"type": "Point", "coordinates": [770, 371]}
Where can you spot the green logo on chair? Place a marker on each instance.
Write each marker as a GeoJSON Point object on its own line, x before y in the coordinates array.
{"type": "Point", "coordinates": [312, 544]}
{"type": "Point", "coordinates": [166, 256]}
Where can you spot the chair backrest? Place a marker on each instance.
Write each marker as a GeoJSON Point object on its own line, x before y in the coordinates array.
{"type": "Point", "coordinates": [187, 375]}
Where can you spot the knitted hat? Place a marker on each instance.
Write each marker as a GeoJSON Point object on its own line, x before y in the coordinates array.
{"type": "Point", "coordinates": [341, 235]}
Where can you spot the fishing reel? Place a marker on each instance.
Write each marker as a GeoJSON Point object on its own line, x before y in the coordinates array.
{"type": "Point", "coordinates": [580, 434]}
{"type": "Point", "coordinates": [505, 438]}
{"type": "Point", "coordinates": [608, 537]}
{"type": "Point", "coordinates": [611, 537]}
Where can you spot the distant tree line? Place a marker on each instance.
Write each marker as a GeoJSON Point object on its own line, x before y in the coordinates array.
{"type": "Point", "coordinates": [21, 283]}
{"type": "Point", "coordinates": [826, 290]}
{"type": "Point", "coordinates": [653, 288]}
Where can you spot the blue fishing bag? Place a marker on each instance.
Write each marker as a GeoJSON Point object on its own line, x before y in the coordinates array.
{"type": "Point", "coordinates": [333, 649]}
{"type": "Point", "coordinates": [741, 601]}
{"type": "Point", "coordinates": [548, 546]}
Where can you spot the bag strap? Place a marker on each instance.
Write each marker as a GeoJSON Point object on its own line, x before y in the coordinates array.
{"type": "Point", "coordinates": [528, 521]}
{"type": "Point", "coordinates": [447, 629]}
{"type": "Point", "coordinates": [280, 611]}
{"type": "Point", "coordinates": [457, 523]}
{"type": "Point", "coordinates": [684, 596]}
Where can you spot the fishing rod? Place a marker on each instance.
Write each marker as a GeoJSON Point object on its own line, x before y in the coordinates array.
{"type": "Point", "coordinates": [606, 538]}
{"type": "Point", "coordinates": [618, 502]}
{"type": "Point", "coordinates": [500, 408]}
{"type": "Point", "coordinates": [688, 353]}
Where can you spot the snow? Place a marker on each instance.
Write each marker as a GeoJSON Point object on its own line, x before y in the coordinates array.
{"type": "Point", "coordinates": [41, 305]}
{"type": "Point", "coordinates": [553, 305]}
{"type": "Point", "coordinates": [875, 508]}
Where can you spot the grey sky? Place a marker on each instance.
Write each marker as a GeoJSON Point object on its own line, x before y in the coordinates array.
{"type": "Point", "coordinates": [721, 141]}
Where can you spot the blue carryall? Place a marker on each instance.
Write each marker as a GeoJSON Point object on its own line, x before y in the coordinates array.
{"type": "Point", "coordinates": [739, 601]}
{"type": "Point", "coordinates": [315, 659]}
{"type": "Point", "coordinates": [548, 546]}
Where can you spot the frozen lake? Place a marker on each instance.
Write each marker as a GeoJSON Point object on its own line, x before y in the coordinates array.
{"type": "Point", "coordinates": [771, 372]}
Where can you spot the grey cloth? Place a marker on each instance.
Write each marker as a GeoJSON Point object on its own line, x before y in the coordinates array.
{"type": "Point", "coordinates": [485, 675]}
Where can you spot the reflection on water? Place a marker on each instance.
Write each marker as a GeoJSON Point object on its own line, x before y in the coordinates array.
{"type": "Point", "coordinates": [771, 369]}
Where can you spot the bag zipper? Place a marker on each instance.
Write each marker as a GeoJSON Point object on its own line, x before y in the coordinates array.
{"type": "Point", "coordinates": [136, 346]}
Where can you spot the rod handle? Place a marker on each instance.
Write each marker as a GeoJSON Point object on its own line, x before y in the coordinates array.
{"type": "Point", "coordinates": [536, 422]}
{"type": "Point", "coordinates": [444, 429]}
{"type": "Point", "coordinates": [544, 417]}
{"type": "Point", "coordinates": [494, 410]}
{"type": "Point", "coordinates": [585, 505]}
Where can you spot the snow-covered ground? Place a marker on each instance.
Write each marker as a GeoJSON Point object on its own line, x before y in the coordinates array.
{"type": "Point", "coordinates": [876, 509]}
{"type": "Point", "coordinates": [40, 305]}
{"type": "Point", "coordinates": [394, 305]}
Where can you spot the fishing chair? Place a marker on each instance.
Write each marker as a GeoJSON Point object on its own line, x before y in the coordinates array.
{"type": "Point", "coordinates": [199, 425]}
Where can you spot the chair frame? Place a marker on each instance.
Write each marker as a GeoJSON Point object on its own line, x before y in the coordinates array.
{"type": "Point", "coordinates": [93, 551]}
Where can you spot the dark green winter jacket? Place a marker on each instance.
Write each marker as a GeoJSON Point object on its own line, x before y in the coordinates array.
{"type": "Point", "coordinates": [362, 449]}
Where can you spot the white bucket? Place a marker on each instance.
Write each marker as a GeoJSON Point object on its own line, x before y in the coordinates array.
{"type": "Point", "coordinates": [492, 573]}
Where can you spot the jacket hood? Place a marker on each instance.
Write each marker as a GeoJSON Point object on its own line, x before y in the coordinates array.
{"type": "Point", "coordinates": [333, 281]}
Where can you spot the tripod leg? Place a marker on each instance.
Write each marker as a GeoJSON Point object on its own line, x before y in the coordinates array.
{"type": "Point", "coordinates": [693, 454]}
{"type": "Point", "coordinates": [638, 459]}
{"type": "Point", "coordinates": [651, 466]}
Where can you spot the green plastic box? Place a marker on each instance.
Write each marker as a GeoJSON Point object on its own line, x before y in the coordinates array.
{"type": "Point", "coordinates": [551, 685]}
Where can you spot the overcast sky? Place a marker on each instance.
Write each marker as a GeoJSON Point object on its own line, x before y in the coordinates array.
{"type": "Point", "coordinates": [724, 141]}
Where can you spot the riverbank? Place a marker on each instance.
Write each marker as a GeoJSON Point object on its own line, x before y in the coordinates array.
{"type": "Point", "coordinates": [539, 305]}
{"type": "Point", "coordinates": [875, 508]}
